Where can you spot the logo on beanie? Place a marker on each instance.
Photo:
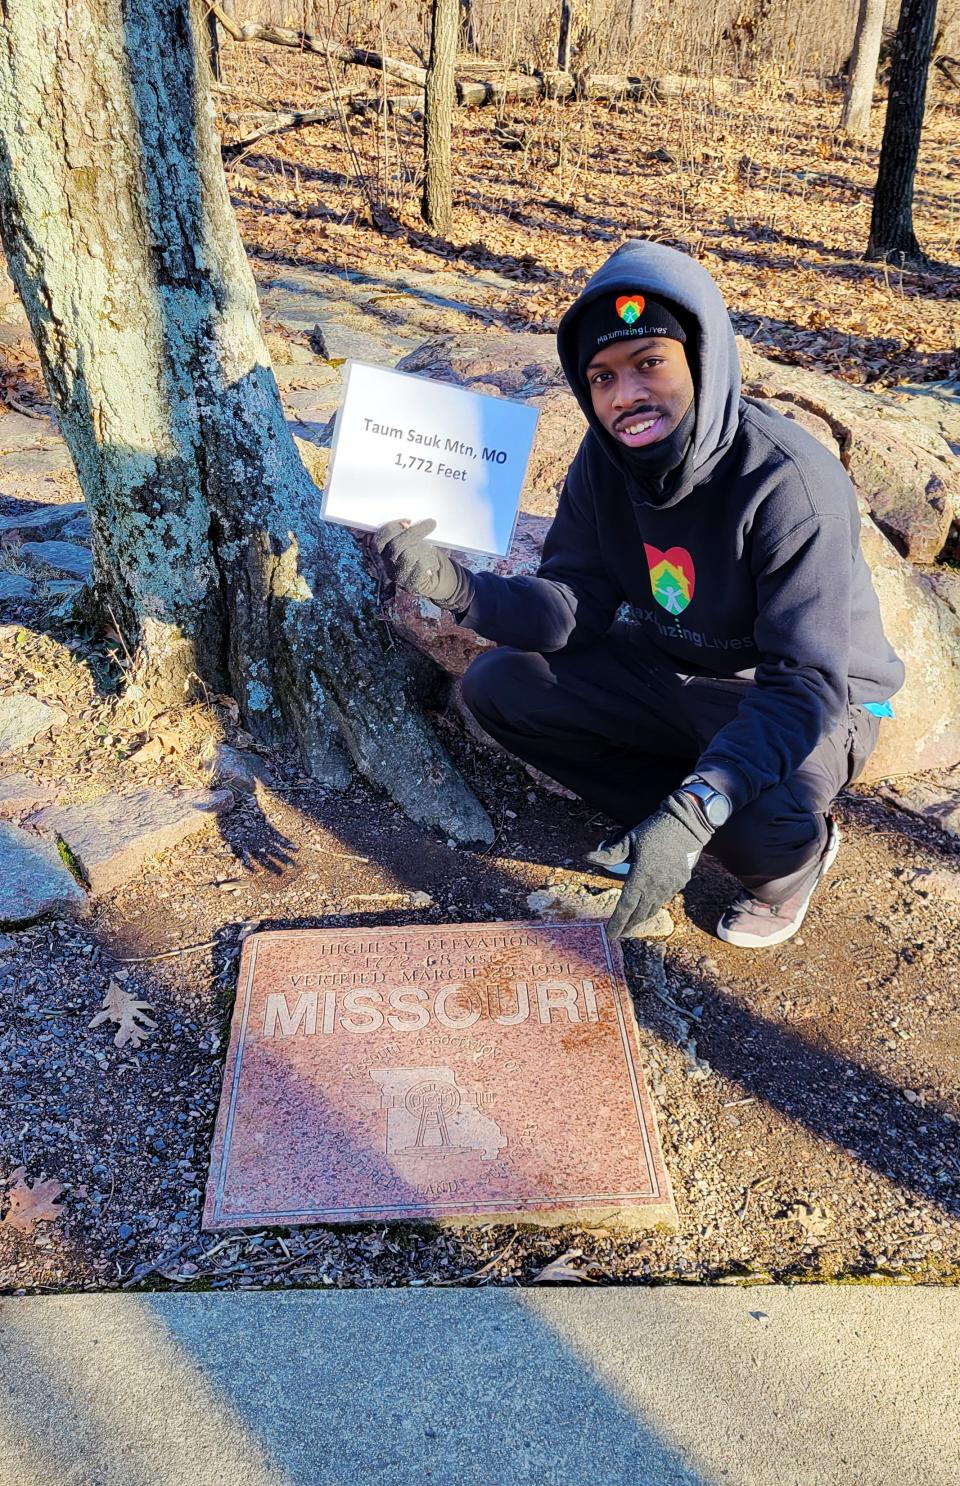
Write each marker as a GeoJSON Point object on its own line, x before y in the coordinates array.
{"type": "Point", "coordinates": [630, 307]}
{"type": "Point", "coordinates": [671, 577]}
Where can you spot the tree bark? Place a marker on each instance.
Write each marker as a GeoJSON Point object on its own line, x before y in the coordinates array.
{"type": "Point", "coordinates": [467, 26]}
{"type": "Point", "coordinates": [891, 224]}
{"type": "Point", "coordinates": [122, 244]}
{"type": "Point", "coordinates": [855, 118]}
{"type": "Point", "coordinates": [563, 39]}
{"type": "Point", "coordinates": [439, 95]}
{"type": "Point", "coordinates": [213, 35]}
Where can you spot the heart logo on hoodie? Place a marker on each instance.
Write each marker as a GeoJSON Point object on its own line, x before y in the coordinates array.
{"type": "Point", "coordinates": [672, 577]}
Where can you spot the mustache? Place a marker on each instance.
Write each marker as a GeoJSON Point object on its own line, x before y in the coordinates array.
{"type": "Point", "coordinates": [644, 411]}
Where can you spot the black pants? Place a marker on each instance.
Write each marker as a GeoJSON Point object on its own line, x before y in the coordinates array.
{"type": "Point", "coordinates": [615, 725]}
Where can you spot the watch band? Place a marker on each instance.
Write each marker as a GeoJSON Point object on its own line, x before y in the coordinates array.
{"type": "Point", "coordinates": [714, 805]}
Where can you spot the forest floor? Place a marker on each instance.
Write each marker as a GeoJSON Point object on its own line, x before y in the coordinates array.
{"type": "Point", "coordinates": [761, 188]}
{"type": "Point", "coordinates": [817, 1134]}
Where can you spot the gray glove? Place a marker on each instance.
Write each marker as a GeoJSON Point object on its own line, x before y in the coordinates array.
{"type": "Point", "coordinates": [422, 568]}
{"type": "Point", "coordinates": [663, 851]}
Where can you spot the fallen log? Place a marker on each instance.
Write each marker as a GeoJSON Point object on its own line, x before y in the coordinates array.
{"type": "Point", "coordinates": [470, 92]}
{"type": "Point", "coordinates": [469, 95]}
{"type": "Point", "coordinates": [309, 41]}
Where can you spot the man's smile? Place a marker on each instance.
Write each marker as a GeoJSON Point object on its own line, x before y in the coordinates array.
{"type": "Point", "coordinates": [637, 429]}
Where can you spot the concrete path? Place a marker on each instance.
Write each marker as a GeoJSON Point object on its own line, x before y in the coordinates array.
{"type": "Point", "coordinates": [727, 1387]}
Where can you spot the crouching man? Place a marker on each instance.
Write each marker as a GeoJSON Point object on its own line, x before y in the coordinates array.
{"type": "Point", "coordinates": [745, 688]}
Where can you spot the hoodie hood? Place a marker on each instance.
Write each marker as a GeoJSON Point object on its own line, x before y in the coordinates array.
{"type": "Point", "coordinates": [715, 366]}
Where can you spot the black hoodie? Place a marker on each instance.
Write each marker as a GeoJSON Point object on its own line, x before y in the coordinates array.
{"type": "Point", "coordinates": [744, 561]}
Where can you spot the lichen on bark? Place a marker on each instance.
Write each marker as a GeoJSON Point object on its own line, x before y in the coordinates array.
{"type": "Point", "coordinates": [122, 243]}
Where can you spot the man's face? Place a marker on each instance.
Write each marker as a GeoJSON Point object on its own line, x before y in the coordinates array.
{"type": "Point", "coordinates": [640, 389]}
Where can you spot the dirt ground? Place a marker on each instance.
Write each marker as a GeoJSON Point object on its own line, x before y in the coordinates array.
{"type": "Point", "coordinates": [809, 1096]}
{"type": "Point", "coordinates": [810, 1128]}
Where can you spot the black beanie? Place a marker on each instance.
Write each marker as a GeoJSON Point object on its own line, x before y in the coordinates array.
{"type": "Point", "coordinates": [618, 317]}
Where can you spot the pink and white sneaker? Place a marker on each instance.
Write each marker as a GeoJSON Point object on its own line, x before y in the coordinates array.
{"type": "Point", "coordinates": [755, 925]}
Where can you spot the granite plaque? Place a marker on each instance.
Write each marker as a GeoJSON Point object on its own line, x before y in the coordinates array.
{"type": "Point", "coordinates": [435, 1073]}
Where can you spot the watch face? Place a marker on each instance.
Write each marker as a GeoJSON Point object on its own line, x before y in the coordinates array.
{"type": "Point", "coordinates": [717, 809]}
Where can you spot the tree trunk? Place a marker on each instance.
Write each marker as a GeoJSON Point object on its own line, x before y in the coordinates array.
{"type": "Point", "coordinates": [213, 35]}
{"type": "Point", "coordinates": [891, 224]}
{"type": "Point", "coordinates": [855, 119]}
{"type": "Point", "coordinates": [438, 104]}
{"type": "Point", "coordinates": [122, 244]}
{"type": "Point", "coordinates": [563, 39]}
{"type": "Point", "coordinates": [635, 22]}
{"type": "Point", "coordinates": [466, 25]}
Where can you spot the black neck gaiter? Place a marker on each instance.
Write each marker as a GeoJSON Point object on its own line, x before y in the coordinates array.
{"type": "Point", "coordinates": [651, 471]}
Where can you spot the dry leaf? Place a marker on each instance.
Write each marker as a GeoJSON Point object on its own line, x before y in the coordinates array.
{"type": "Point", "coordinates": [31, 1205]}
{"type": "Point", "coordinates": [813, 1219]}
{"type": "Point", "coordinates": [229, 704]}
{"type": "Point", "coordinates": [122, 1007]}
{"type": "Point", "coordinates": [161, 745]}
{"type": "Point", "coordinates": [564, 1271]}
{"type": "Point", "coordinates": [149, 753]}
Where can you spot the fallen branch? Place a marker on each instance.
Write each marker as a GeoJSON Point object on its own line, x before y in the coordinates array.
{"type": "Point", "coordinates": [358, 104]}
{"type": "Point", "coordinates": [469, 95]}
{"type": "Point", "coordinates": [167, 954]}
{"type": "Point", "coordinates": [949, 67]}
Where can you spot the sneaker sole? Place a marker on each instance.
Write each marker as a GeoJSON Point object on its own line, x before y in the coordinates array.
{"type": "Point", "coordinates": [745, 940]}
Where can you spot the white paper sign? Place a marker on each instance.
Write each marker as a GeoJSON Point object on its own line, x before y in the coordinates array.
{"type": "Point", "coordinates": [406, 446]}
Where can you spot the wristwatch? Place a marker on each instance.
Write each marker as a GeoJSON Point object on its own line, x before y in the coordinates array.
{"type": "Point", "coordinates": [714, 806]}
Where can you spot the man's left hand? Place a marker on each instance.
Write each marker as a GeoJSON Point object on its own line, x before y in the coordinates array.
{"type": "Point", "coordinates": [663, 851]}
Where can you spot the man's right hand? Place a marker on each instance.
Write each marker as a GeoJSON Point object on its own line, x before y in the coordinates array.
{"type": "Point", "coordinates": [422, 568]}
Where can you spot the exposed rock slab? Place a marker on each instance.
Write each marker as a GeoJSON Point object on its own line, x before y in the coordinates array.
{"type": "Point", "coordinates": [23, 718]}
{"type": "Point", "coordinates": [925, 633]}
{"type": "Point", "coordinates": [23, 467]}
{"type": "Point", "coordinates": [906, 471]}
{"type": "Point", "coordinates": [45, 521]}
{"type": "Point", "coordinates": [938, 883]}
{"type": "Point", "coordinates": [936, 801]}
{"type": "Point", "coordinates": [63, 557]}
{"type": "Point", "coordinates": [935, 403]}
{"type": "Point", "coordinates": [819, 427]}
{"type": "Point", "coordinates": [14, 588]}
{"type": "Point", "coordinates": [945, 583]}
{"type": "Point", "coordinates": [18, 794]}
{"type": "Point", "coordinates": [34, 881]}
{"type": "Point", "coordinates": [78, 529]}
{"type": "Point", "coordinates": [20, 432]}
{"type": "Point", "coordinates": [112, 837]}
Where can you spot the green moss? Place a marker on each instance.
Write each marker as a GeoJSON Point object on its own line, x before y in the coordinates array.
{"type": "Point", "coordinates": [72, 862]}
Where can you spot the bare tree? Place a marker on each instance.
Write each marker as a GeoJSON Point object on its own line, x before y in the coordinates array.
{"type": "Point", "coordinates": [122, 244]}
{"type": "Point", "coordinates": [467, 26]}
{"type": "Point", "coordinates": [855, 119]}
{"type": "Point", "coordinates": [563, 39]}
{"type": "Point", "coordinates": [213, 41]}
{"type": "Point", "coordinates": [891, 223]}
{"type": "Point", "coordinates": [439, 97]}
